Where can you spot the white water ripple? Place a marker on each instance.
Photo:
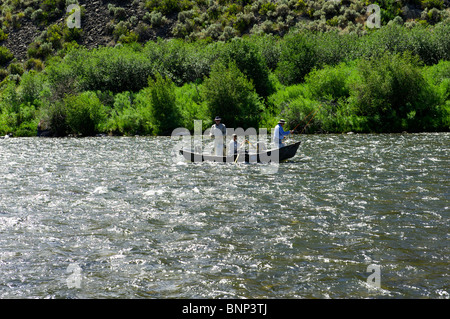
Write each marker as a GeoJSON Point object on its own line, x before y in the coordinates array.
{"type": "Point", "coordinates": [140, 225]}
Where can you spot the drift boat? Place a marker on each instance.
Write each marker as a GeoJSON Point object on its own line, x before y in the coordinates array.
{"type": "Point", "coordinates": [276, 155]}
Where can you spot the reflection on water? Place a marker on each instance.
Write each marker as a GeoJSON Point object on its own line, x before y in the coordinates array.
{"type": "Point", "coordinates": [140, 224]}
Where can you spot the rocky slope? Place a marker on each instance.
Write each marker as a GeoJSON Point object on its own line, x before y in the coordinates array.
{"type": "Point", "coordinates": [95, 23]}
{"type": "Point", "coordinates": [108, 22]}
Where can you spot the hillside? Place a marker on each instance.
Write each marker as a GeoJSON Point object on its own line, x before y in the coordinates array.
{"type": "Point", "coordinates": [28, 26]}
{"type": "Point", "coordinates": [148, 67]}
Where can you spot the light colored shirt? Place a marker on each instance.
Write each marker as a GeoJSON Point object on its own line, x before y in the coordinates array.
{"type": "Point", "coordinates": [278, 136]}
{"type": "Point", "coordinates": [233, 147]}
{"type": "Point", "coordinates": [220, 127]}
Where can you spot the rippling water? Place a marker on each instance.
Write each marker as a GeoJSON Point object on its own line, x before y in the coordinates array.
{"type": "Point", "coordinates": [139, 224]}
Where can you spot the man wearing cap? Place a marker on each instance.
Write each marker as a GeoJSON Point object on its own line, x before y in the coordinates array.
{"type": "Point", "coordinates": [280, 134]}
{"type": "Point", "coordinates": [219, 132]}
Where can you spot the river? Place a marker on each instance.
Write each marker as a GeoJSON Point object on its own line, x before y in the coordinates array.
{"type": "Point", "coordinates": [120, 217]}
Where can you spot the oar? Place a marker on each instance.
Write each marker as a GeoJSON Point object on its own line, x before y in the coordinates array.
{"type": "Point", "coordinates": [237, 157]}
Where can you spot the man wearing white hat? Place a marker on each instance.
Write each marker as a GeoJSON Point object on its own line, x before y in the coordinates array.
{"type": "Point", "coordinates": [280, 134]}
{"type": "Point", "coordinates": [219, 132]}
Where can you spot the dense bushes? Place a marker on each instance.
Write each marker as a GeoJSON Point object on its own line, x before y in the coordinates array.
{"type": "Point", "coordinates": [128, 117]}
{"type": "Point", "coordinates": [85, 114]}
{"type": "Point", "coordinates": [301, 52]}
{"type": "Point", "coordinates": [250, 62]}
{"type": "Point", "coordinates": [16, 114]}
{"type": "Point", "coordinates": [5, 55]}
{"type": "Point", "coordinates": [297, 59]}
{"type": "Point", "coordinates": [392, 79]}
{"type": "Point", "coordinates": [231, 95]}
{"type": "Point", "coordinates": [391, 93]}
{"type": "Point", "coordinates": [110, 69]}
{"type": "Point", "coordinates": [163, 110]}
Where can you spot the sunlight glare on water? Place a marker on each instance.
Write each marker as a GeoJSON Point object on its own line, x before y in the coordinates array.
{"type": "Point", "coordinates": [140, 224]}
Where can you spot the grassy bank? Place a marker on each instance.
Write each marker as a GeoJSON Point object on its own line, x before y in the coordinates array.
{"type": "Point", "coordinates": [392, 79]}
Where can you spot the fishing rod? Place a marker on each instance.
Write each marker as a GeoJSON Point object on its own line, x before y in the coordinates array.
{"type": "Point", "coordinates": [309, 120]}
{"type": "Point", "coordinates": [237, 157]}
{"type": "Point", "coordinates": [302, 121]}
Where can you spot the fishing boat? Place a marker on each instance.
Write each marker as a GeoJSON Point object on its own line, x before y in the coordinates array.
{"type": "Point", "coordinates": [276, 155]}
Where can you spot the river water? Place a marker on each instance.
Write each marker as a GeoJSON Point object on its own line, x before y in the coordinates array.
{"type": "Point", "coordinates": [122, 218]}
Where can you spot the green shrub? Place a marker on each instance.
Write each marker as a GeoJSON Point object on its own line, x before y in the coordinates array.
{"type": "Point", "coordinates": [34, 64]}
{"type": "Point", "coordinates": [54, 116]}
{"type": "Point", "coordinates": [389, 9]}
{"type": "Point", "coordinates": [330, 82]}
{"type": "Point", "coordinates": [110, 69]}
{"type": "Point", "coordinates": [297, 59]}
{"type": "Point", "coordinates": [128, 38]}
{"type": "Point", "coordinates": [3, 74]}
{"type": "Point", "coordinates": [394, 95]}
{"type": "Point", "coordinates": [250, 62]}
{"type": "Point", "coordinates": [129, 117]}
{"type": "Point", "coordinates": [178, 60]}
{"type": "Point", "coordinates": [121, 29]}
{"type": "Point", "coordinates": [438, 76]}
{"type": "Point", "coordinates": [120, 13]}
{"type": "Point", "coordinates": [9, 97]}
{"type": "Point", "coordinates": [429, 4]}
{"type": "Point", "coordinates": [266, 7]}
{"type": "Point", "coordinates": [155, 18]}
{"type": "Point", "coordinates": [302, 112]}
{"type": "Point", "coordinates": [438, 73]}
{"type": "Point", "coordinates": [52, 8]}
{"type": "Point", "coordinates": [85, 114]}
{"type": "Point", "coordinates": [27, 129]}
{"type": "Point", "coordinates": [430, 43]}
{"type": "Point", "coordinates": [269, 48]}
{"type": "Point", "coordinates": [164, 112]}
{"type": "Point", "coordinates": [72, 34]}
{"type": "Point", "coordinates": [293, 103]}
{"type": "Point", "coordinates": [191, 105]}
{"type": "Point", "coordinates": [16, 68]}
{"type": "Point", "coordinates": [40, 50]}
{"type": "Point", "coordinates": [16, 117]}
{"type": "Point", "coordinates": [230, 94]}
{"type": "Point", "coordinates": [6, 123]}
{"type": "Point", "coordinates": [164, 6]}
{"type": "Point", "coordinates": [244, 21]}
{"type": "Point", "coordinates": [39, 16]}
{"type": "Point", "coordinates": [3, 35]}
{"type": "Point", "coordinates": [5, 55]}
{"type": "Point", "coordinates": [31, 85]}
{"type": "Point", "coordinates": [27, 122]}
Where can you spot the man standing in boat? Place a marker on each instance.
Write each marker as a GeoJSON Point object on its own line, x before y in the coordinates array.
{"type": "Point", "coordinates": [219, 132]}
{"type": "Point", "coordinates": [280, 134]}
